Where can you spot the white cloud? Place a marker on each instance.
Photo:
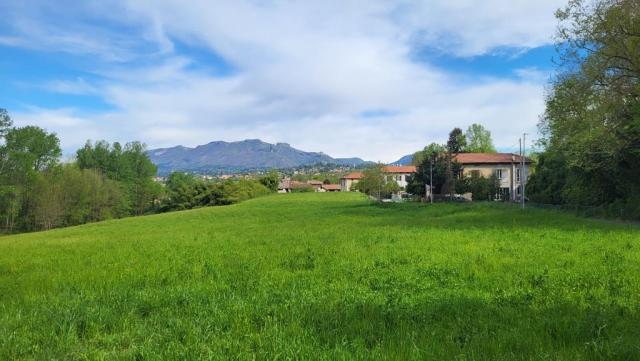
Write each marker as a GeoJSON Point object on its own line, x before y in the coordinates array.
{"type": "Point", "coordinates": [304, 72]}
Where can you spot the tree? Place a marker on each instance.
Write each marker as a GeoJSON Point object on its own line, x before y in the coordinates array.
{"type": "Point", "coordinates": [437, 154]}
{"type": "Point", "coordinates": [591, 125]}
{"type": "Point", "coordinates": [5, 122]}
{"type": "Point", "coordinates": [271, 180]}
{"type": "Point", "coordinates": [5, 125]}
{"type": "Point", "coordinates": [374, 182]}
{"type": "Point", "coordinates": [66, 195]}
{"type": "Point", "coordinates": [181, 191]}
{"type": "Point", "coordinates": [10, 206]}
{"type": "Point", "coordinates": [457, 141]}
{"type": "Point", "coordinates": [455, 145]}
{"type": "Point", "coordinates": [130, 165]}
{"type": "Point", "coordinates": [142, 188]}
{"type": "Point", "coordinates": [482, 189]}
{"type": "Point", "coordinates": [31, 149]}
{"type": "Point", "coordinates": [478, 140]}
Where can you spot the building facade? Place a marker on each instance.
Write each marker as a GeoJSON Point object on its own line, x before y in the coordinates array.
{"type": "Point", "coordinates": [348, 181]}
{"type": "Point", "coordinates": [505, 166]}
{"type": "Point", "coordinates": [399, 173]}
{"type": "Point", "coordinates": [395, 173]}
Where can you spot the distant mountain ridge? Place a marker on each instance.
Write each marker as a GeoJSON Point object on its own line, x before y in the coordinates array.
{"type": "Point", "coordinates": [250, 154]}
{"type": "Point", "coordinates": [406, 160]}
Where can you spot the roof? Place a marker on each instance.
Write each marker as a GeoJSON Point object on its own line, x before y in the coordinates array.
{"type": "Point", "coordinates": [315, 182]}
{"type": "Point", "coordinates": [353, 175]}
{"type": "Point", "coordinates": [284, 184]}
{"type": "Point", "coordinates": [400, 169]}
{"type": "Point", "coordinates": [288, 184]}
{"type": "Point", "coordinates": [488, 158]}
{"type": "Point", "coordinates": [331, 187]}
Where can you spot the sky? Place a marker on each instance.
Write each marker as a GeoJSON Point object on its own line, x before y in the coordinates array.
{"type": "Point", "coordinates": [375, 79]}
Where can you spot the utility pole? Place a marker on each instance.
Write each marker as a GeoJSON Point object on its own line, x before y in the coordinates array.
{"type": "Point", "coordinates": [523, 176]}
{"type": "Point", "coordinates": [519, 167]}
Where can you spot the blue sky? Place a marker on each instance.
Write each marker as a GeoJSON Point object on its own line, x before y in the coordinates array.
{"type": "Point", "coordinates": [377, 79]}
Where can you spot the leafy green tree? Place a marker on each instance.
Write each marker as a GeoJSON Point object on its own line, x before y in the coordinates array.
{"type": "Point", "coordinates": [5, 125]}
{"type": "Point", "coordinates": [10, 206]}
{"type": "Point", "coordinates": [591, 126]}
{"type": "Point", "coordinates": [142, 189]}
{"type": "Point", "coordinates": [482, 188]}
{"type": "Point", "coordinates": [181, 191]}
{"type": "Point", "coordinates": [437, 154]}
{"type": "Point", "coordinates": [271, 180]}
{"type": "Point", "coordinates": [26, 152]}
{"type": "Point", "coordinates": [129, 165]}
{"type": "Point", "coordinates": [67, 195]}
{"type": "Point", "coordinates": [5, 122]}
{"type": "Point", "coordinates": [31, 149]}
{"type": "Point", "coordinates": [375, 183]}
{"type": "Point", "coordinates": [428, 153]}
{"type": "Point", "coordinates": [478, 140]}
{"type": "Point", "coordinates": [456, 143]}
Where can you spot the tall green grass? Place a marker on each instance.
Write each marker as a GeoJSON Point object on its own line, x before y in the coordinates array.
{"type": "Point", "coordinates": [325, 277]}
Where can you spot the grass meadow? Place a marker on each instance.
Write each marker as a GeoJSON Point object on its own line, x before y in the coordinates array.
{"type": "Point", "coordinates": [325, 277]}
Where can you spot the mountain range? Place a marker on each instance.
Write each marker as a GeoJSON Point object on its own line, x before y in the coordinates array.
{"type": "Point", "coordinates": [250, 154]}
{"type": "Point", "coordinates": [406, 160]}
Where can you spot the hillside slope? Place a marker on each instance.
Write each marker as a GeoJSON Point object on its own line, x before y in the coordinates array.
{"type": "Point", "coordinates": [325, 277]}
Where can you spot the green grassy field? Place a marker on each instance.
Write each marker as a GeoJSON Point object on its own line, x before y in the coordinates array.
{"type": "Point", "coordinates": [325, 277]}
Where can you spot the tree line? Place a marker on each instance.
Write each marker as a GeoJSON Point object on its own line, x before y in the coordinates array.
{"type": "Point", "coordinates": [105, 181]}
{"type": "Point", "coordinates": [591, 126]}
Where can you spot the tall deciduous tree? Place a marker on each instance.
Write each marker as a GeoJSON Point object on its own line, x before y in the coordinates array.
{"type": "Point", "coordinates": [5, 125]}
{"type": "Point", "coordinates": [375, 183]}
{"type": "Point", "coordinates": [455, 145]}
{"type": "Point", "coordinates": [437, 154]}
{"type": "Point", "coordinates": [591, 126]}
{"type": "Point", "coordinates": [31, 149]}
{"type": "Point", "coordinates": [129, 165]}
{"type": "Point", "coordinates": [5, 122]}
{"type": "Point", "coordinates": [478, 140]}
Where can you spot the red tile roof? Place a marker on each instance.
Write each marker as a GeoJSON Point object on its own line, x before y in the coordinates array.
{"type": "Point", "coordinates": [489, 158]}
{"type": "Point", "coordinates": [400, 169]}
{"type": "Point", "coordinates": [284, 184]}
{"type": "Point", "coordinates": [315, 182]}
{"type": "Point", "coordinates": [331, 187]}
{"type": "Point", "coordinates": [353, 175]}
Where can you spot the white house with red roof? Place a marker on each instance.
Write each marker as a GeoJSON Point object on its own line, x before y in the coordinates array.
{"type": "Point", "coordinates": [397, 173]}
{"type": "Point", "coordinates": [505, 166]}
{"type": "Point", "coordinates": [349, 180]}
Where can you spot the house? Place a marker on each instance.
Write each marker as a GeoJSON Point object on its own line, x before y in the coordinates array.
{"type": "Point", "coordinates": [349, 180]}
{"type": "Point", "coordinates": [505, 166]}
{"type": "Point", "coordinates": [316, 184]}
{"type": "Point", "coordinates": [399, 173]}
{"type": "Point", "coordinates": [331, 187]}
{"type": "Point", "coordinates": [286, 185]}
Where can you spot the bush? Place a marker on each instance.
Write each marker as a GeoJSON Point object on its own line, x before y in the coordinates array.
{"type": "Point", "coordinates": [483, 189]}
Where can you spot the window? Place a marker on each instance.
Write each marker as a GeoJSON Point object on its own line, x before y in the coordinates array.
{"type": "Point", "coordinates": [475, 173]}
{"type": "Point", "coordinates": [499, 173]}
{"type": "Point", "coordinates": [517, 174]}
